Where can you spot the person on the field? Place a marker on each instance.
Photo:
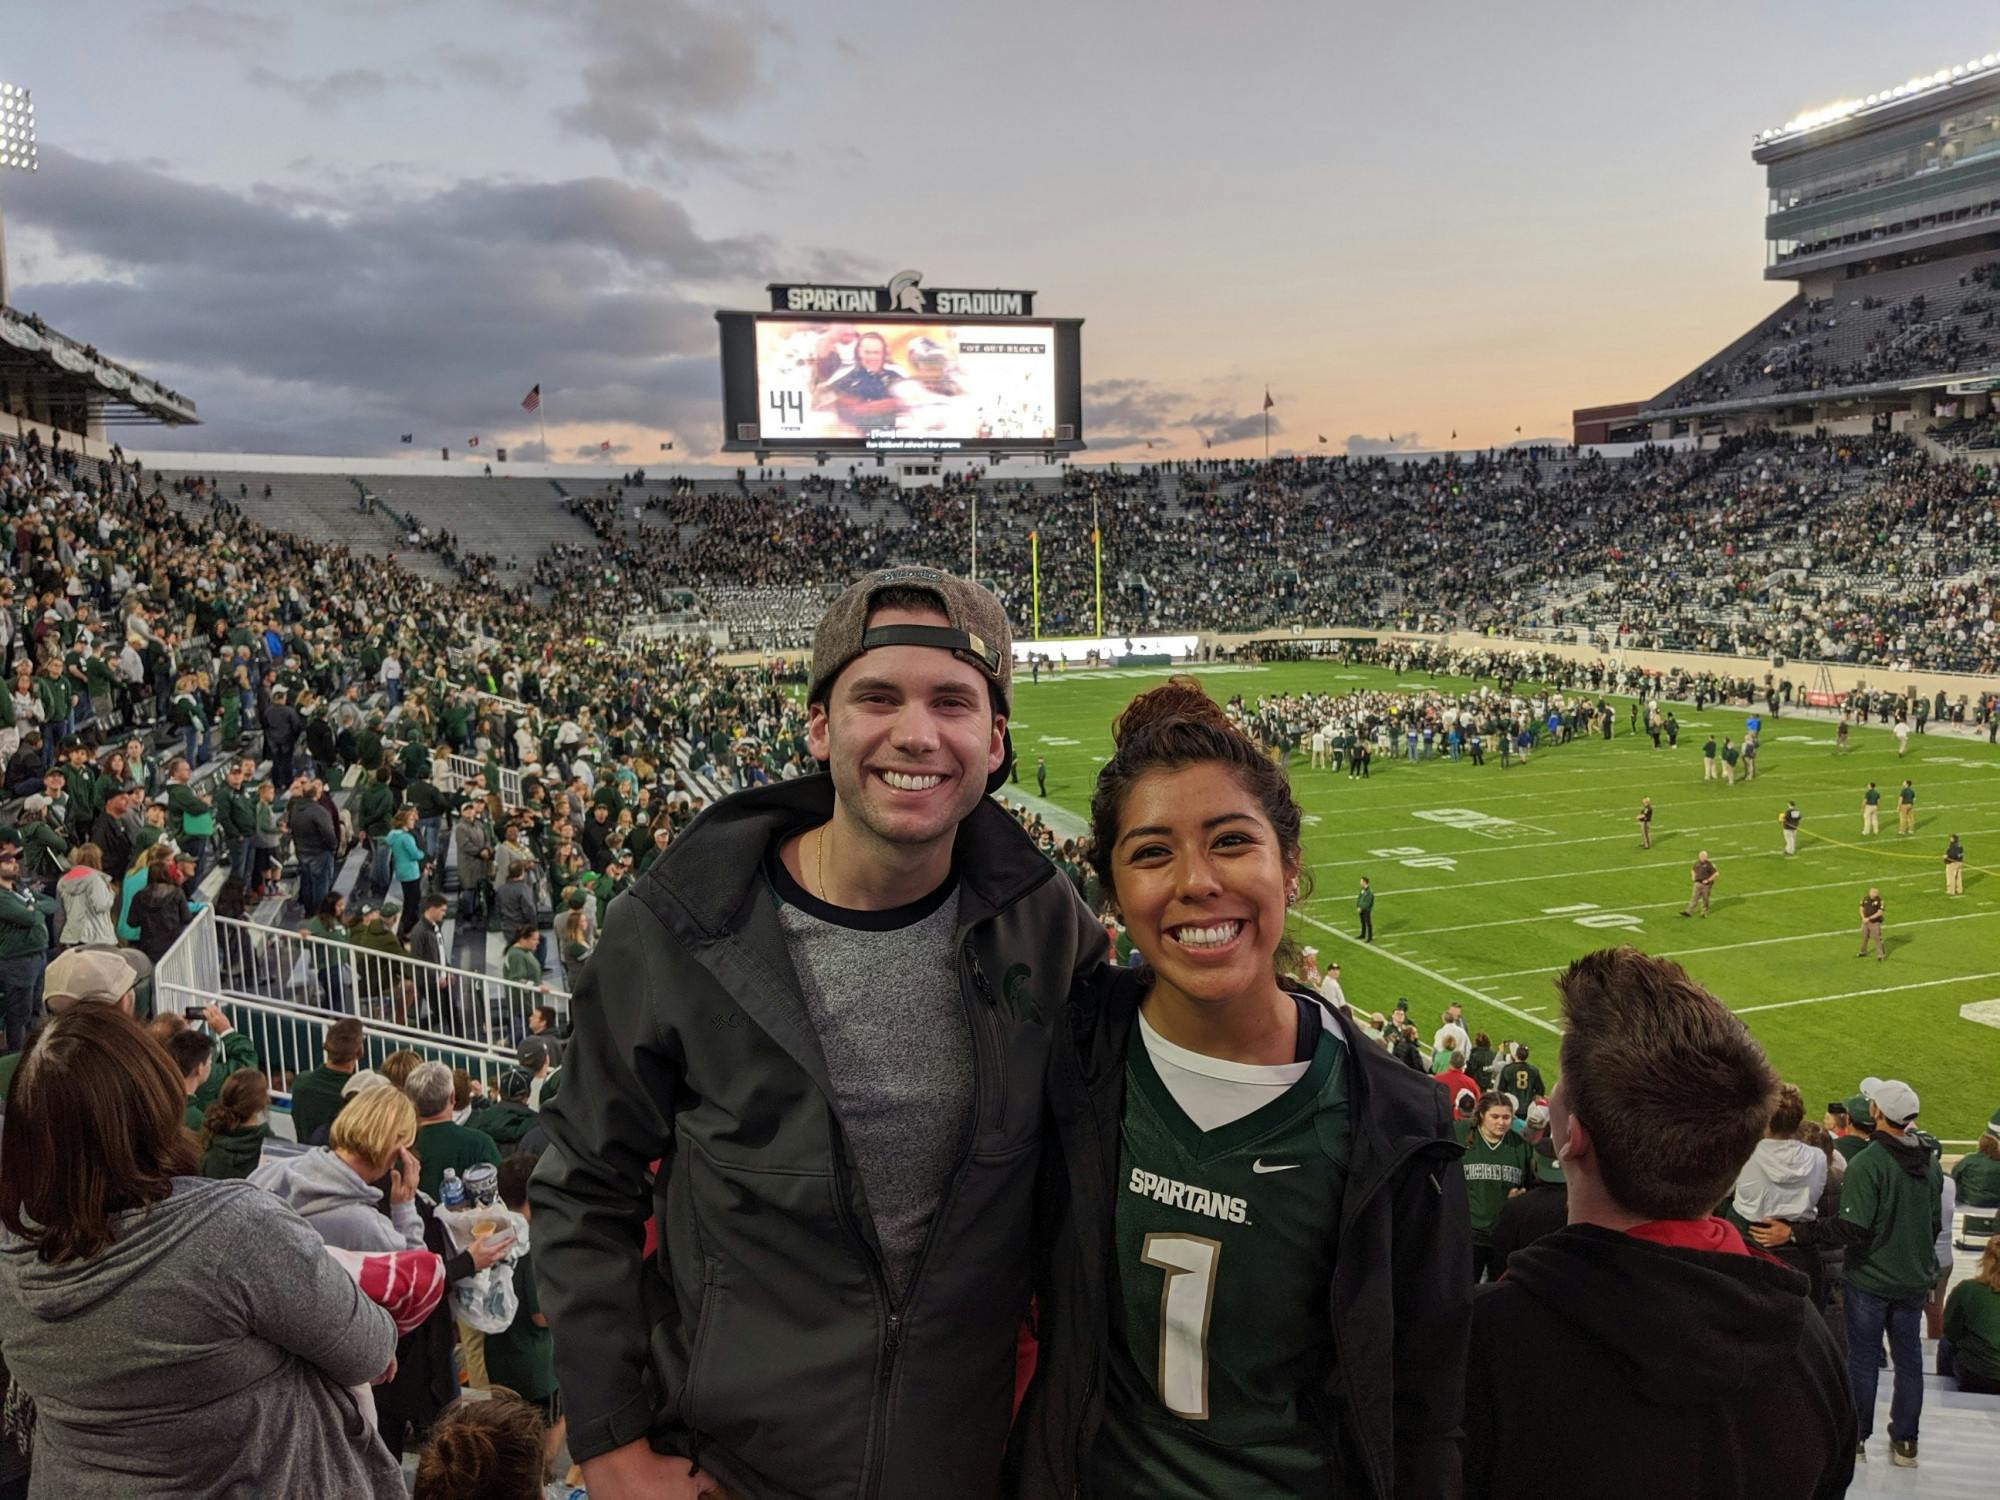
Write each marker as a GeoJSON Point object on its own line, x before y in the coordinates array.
{"type": "Point", "coordinates": [1701, 875]}
{"type": "Point", "coordinates": [1271, 1298]}
{"type": "Point", "coordinates": [812, 1042]}
{"type": "Point", "coordinates": [1655, 1329]}
{"type": "Point", "coordinates": [1871, 924]}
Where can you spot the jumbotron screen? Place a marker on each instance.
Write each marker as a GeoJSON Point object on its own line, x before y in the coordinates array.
{"type": "Point", "coordinates": [910, 385]}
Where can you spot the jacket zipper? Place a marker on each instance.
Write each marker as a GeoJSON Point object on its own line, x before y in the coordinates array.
{"type": "Point", "coordinates": [892, 1336]}
{"type": "Point", "coordinates": [892, 1320]}
{"type": "Point", "coordinates": [984, 1014]}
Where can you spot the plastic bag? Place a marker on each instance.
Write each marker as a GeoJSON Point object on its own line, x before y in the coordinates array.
{"type": "Point", "coordinates": [486, 1300]}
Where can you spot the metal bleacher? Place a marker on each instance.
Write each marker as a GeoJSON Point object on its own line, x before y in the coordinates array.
{"type": "Point", "coordinates": [1845, 337]}
{"type": "Point", "coordinates": [514, 520]}
{"type": "Point", "coordinates": [319, 507]}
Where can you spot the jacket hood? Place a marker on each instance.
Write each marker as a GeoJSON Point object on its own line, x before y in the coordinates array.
{"type": "Point", "coordinates": [1787, 1165]}
{"type": "Point", "coordinates": [316, 1182]}
{"type": "Point", "coordinates": [1697, 1326]}
{"type": "Point", "coordinates": [1913, 1151]}
{"type": "Point", "coordinates": [242, 1148]}
{"type": "Point", "coordinates": [79, 875]}
{"type": "Point", "coordinates": [711, 868]}
{"type": "Point", "coordinates": [143, 1238]}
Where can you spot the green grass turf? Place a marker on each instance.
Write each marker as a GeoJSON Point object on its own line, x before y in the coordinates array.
{"type": "Point", "coordinates": [1489, 914]}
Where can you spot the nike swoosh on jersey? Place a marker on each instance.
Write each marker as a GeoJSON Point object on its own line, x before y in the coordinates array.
{"type": "Point", "coordinates": [1285, 1166]}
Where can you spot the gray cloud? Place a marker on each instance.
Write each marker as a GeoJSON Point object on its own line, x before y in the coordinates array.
{"type": "Point", "coordinates": [1129, 406]}
{"type": "Point", "coordinates": [655, 69]}
{"type": "Point", "coordinates": [343, 86]}
{"type": "Point", "coordinates": [217, 28]}
{"type": "Point", "coordinates": [1360, 444]}
{"type": "Point", "coordinates": [1220, 427]}
{"type": "Point", "coordinates": [303, 331]}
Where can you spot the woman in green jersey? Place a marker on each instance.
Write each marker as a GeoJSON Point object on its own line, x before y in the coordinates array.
{"type": "Point", "coordinates": [1272, 1301]}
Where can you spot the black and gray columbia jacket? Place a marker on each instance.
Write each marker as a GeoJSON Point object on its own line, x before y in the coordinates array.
{"type": "Point", "coordinates": [762, 1341]}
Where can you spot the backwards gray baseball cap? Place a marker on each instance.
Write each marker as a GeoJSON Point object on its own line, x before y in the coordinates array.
{"type": "Point", "coordinates": [978, 633]}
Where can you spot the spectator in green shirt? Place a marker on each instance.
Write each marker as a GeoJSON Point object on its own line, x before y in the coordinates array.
{"type": "Point", "coordinates": [316, 1095]}
{"type": "Point", "coordinates": [1977, 1176]}
{"type": "Point", "coordinates": [1971, 1349]}
{"type": "Point", "coordinates": [1497, 1163]}
{"type": "Point", "coordinates": [235, 1127]}
{"type": "Point", "coordinates": [441, 1141]}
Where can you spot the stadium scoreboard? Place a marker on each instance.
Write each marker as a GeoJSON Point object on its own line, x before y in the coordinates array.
{"type": "Point", "coordinates": [900, 369]}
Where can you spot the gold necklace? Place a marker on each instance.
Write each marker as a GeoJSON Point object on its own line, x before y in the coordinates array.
{"type": "Point", "coordinates": [819, 843]}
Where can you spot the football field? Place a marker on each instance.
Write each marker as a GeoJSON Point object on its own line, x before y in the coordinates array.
{"type": "Point", "coordinates": [1488, 882]}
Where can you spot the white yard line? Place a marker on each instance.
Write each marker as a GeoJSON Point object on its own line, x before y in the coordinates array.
{"type": "Point", "coordinates": [1627, 906]}
{"type": "Point", "coordinates": [1849, 931]}
{"type": "Point", "coordinates": [1887, 989]}
{"type": "Point", "coordinates": [1750, 851]}
{"type": "Point", "coordinates": [1703, 831]}
{"type": "Point", "coordinates": [1430, 974]}
{"type": "Point", "coordinates": [1853, 929]}
{"type": "Point", "coordinates": [1625, 804]}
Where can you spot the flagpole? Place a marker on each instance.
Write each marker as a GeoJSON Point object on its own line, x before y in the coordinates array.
{"type": "Point", "coordinates": [974, 573]}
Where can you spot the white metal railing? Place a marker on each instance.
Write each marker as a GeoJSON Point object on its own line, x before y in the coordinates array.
{"type": "Point", "coordinates": [449, 1006]}
{"type": "Point", "coordinates": [459, 769]}
{"type": "Point", "coordinates": [290, 1039]}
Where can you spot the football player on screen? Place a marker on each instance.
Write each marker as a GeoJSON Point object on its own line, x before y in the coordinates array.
{"type": "Point", "coordinates": [1260, 1291]}
{"type": "Point", "coordinates": [863, 395]}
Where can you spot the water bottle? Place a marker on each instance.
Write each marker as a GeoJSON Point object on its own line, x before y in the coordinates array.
{"type": "Point", "coordinates": [451, 1192]}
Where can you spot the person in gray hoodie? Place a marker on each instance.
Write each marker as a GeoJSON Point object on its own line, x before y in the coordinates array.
{"type": "Point", "coordinates": [336, 1187]}
{"type": "Point", "coordinates": [176, 1336]}
{"type": "Point", "coordinates": [1784, 1176]}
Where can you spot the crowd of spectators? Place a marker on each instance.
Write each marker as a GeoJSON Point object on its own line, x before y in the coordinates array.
{"type": "Point", "coordinates": [1858, 550]}
{"type": "Point", "coordinates": [1819, 345]}
{"type": "Point", "coordinates": [149, 641]}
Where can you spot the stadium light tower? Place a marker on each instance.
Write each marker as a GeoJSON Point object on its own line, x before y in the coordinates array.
{"type": "Point", "coordinates": [17, 150]}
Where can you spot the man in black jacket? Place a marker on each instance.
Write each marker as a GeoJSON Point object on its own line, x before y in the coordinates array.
{"type": "Point", "coordinates": [826, 1013]}
{"type": "Point", "coordinates": [315, 837]}
{"type": "Point", "coordinates": [283, 729]}
{"type": "Point", "coordinates": [1676, 1360]}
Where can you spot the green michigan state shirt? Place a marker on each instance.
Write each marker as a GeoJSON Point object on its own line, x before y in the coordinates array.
{"type": "Point", "coordinates": [1224, 1247]}
{"type": "Point", "coordinates": [1493, 1169]}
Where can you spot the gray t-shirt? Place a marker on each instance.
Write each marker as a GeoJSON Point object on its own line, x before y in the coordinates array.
{"type": "Point", "coordinates": [883, 993]}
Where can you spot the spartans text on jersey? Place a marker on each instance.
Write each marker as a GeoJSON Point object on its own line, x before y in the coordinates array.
{"type": "Point", "coordinates": [1195, 1200]}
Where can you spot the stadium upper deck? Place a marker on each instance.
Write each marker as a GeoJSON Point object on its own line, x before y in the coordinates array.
{"type": "Point", "coordinates": [1884, 210]}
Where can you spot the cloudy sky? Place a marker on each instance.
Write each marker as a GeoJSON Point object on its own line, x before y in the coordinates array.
{"type": "Point", "coordinates": [334, 223]}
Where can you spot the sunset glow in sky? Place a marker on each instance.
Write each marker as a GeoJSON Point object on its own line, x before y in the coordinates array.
{"type": "Point", "coordinates": [334, 224]}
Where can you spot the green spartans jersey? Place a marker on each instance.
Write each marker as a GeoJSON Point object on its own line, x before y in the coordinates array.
{"type": "Point", "coordinates": [1491, 1173]}
{"type": "Point", "coordinates": [1221, 1339]}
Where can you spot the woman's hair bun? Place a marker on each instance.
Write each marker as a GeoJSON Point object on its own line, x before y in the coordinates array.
{"type": "Point", "coordinates": [1178, 699]}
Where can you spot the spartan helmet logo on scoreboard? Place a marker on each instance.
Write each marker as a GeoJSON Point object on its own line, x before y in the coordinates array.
{"type": "Point", "coordinates": [906, 292]}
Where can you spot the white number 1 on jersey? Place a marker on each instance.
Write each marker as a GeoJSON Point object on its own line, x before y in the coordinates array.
{"type": "Point", "coordinates": [1185, 1303]}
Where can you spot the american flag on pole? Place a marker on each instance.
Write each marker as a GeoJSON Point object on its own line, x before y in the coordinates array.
{"type": "Point", "coordinates": [473, 441]}
{"type": "Point", "coordinates": [533, 399]}
{"type": "Point", "coordinates": [1268, 402]}
{"type": "Point", "coordinates": [605, 446]}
